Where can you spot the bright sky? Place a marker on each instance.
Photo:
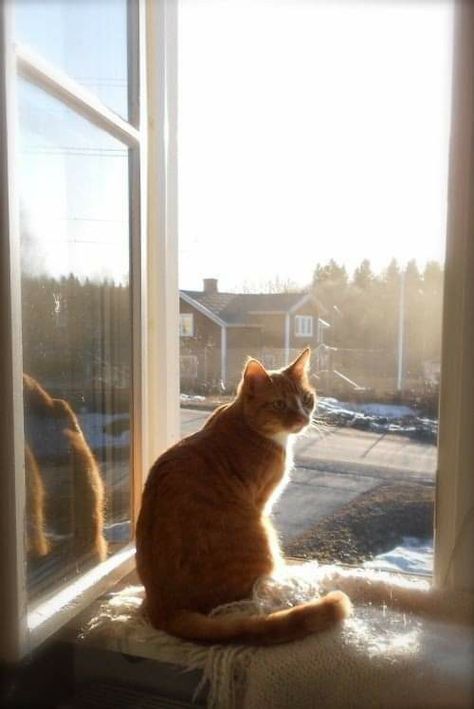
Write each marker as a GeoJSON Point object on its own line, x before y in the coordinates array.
{"type": "Point", "coordinates": [73, 176]}
{"type": "Point", "coordinates": [310, 130]}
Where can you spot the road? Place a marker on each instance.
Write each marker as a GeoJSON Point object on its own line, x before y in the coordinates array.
{"type": "Point", "coordinates": [334, 466]}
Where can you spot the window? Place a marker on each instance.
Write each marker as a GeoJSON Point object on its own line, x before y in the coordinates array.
{"type": "Point", "coordinates": [130, 326]}
{"type": "Point", "coordinates": [303, 326]}
{"type": "Point", "coordinates": [79, 238]}
{"type": "Point", "coordinates": [376, 285]}
{"type": "Point", "coordinates": [77, 385]}
{"type": "Point", "coordinates": [73, 167]}
{"type": "Point", "coordinates": [186, 325]}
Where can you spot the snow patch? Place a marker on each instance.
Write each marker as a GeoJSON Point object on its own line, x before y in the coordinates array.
{"type": "Point", "coordinates": [412, 556]}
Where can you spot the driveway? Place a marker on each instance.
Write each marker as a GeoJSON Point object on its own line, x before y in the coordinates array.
{"type": "Point", "coordinates": [336, 466]}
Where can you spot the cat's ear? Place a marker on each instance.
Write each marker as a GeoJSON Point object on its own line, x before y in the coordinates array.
{"type": "Point", "coordinates": [300, 366]}
{"type": "Point", "coordinates": [255, 376]}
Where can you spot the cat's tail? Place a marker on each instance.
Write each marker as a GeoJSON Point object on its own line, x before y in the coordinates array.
{"type": "Point", "coordinates": [278, 627]}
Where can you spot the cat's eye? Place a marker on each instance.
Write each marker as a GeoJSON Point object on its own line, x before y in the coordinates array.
{"type": "Point", "coordinates": [308, 399]}
{"type": "Point", "coordinates": [279, 405]}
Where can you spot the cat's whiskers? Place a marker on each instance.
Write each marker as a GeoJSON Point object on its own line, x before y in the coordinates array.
{"type": "Point", "coordinates": [321, 426]}
{"type": "Point", "coordinates": [320, 419]}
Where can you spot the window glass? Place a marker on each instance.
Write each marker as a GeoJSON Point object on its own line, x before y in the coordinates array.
{"type": "Point", "coordinates": [84, 38]}
{"type": "Point", "coordinates": [303, 325]}
{"type": "Point", "coordinates": [74, 221]}
{"type": "Point", "coordinates": [321, 170]}
{"type": "Point", "coordinates": [186, 325]}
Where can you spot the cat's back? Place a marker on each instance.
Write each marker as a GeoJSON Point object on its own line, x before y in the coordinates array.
{"type": "Point", "coordinates": [198, 466]}
{"type": "Point", "coordinates": [223, 464]}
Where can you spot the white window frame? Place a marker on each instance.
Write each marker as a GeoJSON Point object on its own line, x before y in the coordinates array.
{"type": "Point", "coordinates": [153, 225]}
{"type": "Point", "coordinates": [157, 302]}
{"type": "Point", "coordinates": [454, 502]}
{"type": "Point", "coordinates": [304, 325]}
{"type": "Point", "coordinates": [182, 328]}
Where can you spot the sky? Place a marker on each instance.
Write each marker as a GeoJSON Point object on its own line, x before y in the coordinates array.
{"type": "Point", "coordinates": [73, 177]}
{"type": "Point", "coordinates": [307, 130]}
{"type": "Point", "coordinates": [74, 203]}
{"type": "Point", "coordinates": [310, 130]}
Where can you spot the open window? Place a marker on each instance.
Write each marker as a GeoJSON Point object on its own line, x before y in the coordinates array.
{"type": "Point", "coordinates": [314, 189]}
{"type": "Point", "coordinates": [90, 370]}
{"type": "Point", "coordinates": [84, 103]}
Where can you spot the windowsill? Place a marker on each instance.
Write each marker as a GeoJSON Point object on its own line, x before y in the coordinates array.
{"type": "Point", "coordinates": [415, 647]}
{"type": "Point", "coordinates": [48, 615]}
{"type": "Point", "coordinates": [112, 670]}
{"type": "Point", "coordinates": [169, 682]}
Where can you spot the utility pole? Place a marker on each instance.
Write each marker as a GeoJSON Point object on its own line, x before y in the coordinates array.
{"type": "Point", "coordinates": [401, 328]}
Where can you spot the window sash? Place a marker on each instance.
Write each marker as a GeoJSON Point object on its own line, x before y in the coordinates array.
{"type": "Point", "coordinates": [154, 310]}
{"type": "Point", "coordinates": [58, 84]}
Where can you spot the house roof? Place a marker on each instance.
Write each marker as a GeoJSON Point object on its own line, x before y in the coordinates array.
{"type": "Point", "coordinates": [236, 308]}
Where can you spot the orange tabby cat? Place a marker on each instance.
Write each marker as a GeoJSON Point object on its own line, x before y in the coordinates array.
{"type": "Point", "coordinates": [203, 534]}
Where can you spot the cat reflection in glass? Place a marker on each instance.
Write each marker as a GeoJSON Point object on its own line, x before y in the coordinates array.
{"type": "Point", "coordinates": [57, 452]}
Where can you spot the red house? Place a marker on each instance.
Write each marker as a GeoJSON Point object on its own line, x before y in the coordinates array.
{"type": "Point", "coordinates": [219, 330]}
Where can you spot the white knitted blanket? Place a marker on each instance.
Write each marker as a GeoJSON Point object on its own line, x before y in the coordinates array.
{"type": "Point", "coordinates": [381, 657]}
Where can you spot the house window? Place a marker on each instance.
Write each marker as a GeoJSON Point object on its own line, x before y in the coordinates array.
{"type": "Point", "coordinates": [79, 238]}
{"type": "Point", "coordinates": [186, 325]}
{"type": "Point", "coordinates": [303, 325]}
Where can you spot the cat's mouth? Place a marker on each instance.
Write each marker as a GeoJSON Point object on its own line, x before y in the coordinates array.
{"type": "Point", "coordinates": [299, 426]}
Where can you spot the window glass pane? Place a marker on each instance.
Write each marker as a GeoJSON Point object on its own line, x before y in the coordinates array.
{"type": "Point", "coordinates": [313, 184]}
{"type": "Point", "coordinates": [303, 325]}
{"type": "Point", "coordinates": [74, 219]}
{"type": "Point", "coordinates": [186, 325]}
{"type": "Point", "coordinates": [84, 38]}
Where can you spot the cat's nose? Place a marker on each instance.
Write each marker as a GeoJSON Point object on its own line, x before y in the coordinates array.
{"type": "Point", "coordinates": [301, 420]}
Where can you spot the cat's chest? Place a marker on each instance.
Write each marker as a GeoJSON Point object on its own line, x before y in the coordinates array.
{"type": "Point", "coordinates": [279, 476]}
{"type": "Point", "coordinates": [286, 441]}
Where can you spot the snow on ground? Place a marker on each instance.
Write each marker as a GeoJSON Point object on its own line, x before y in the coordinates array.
{"type": "Point", "coordinates": [388, 410]}
{"type": "Point", "coordinates": [191, 397]}
{"type": "Point", "coordinates": [374, 409]}
{"type": "Point", "coordinates": [412, 556]}
{"type": "Point", "coordinates": [379, 418]}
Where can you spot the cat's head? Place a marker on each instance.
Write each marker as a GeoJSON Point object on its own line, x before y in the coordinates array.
{"type": "Point", "coordinates": [278, 401]}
